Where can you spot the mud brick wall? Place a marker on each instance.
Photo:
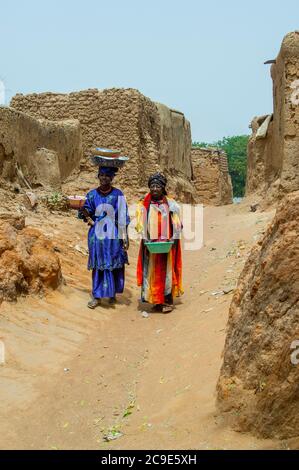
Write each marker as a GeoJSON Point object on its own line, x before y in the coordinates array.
{"type": "Point", "coordinates": [211, 177]}
{"type": "Point", "coordinates": [26, 142]}
{"type": "Point", "coordinates": [152, 135]}
{"type": "Point", "coordinates": [273, 160]}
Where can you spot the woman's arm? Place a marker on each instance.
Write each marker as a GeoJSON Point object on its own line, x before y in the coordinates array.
{"type": "Point", "coordinates": [88, 210]}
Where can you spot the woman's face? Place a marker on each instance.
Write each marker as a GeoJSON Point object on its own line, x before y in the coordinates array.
{"type": "Point", "coordinates": [156, 191]}
{"type": "Point", "coordinates": [105, 181]}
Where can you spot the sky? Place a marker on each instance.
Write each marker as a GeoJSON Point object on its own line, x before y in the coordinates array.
{"type": "Point", "coordinates": [204, 58]}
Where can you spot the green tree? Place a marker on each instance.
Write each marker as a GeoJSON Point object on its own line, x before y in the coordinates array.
{"type": "Point", "coordinates": [236, 150]}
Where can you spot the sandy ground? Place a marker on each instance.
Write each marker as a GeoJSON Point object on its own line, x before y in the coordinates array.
{"type": "Point", "coordinates": [73, 375]}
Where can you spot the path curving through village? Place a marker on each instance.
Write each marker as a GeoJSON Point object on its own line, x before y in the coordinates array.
{"type": "Point", "coordinates": [73, 376]}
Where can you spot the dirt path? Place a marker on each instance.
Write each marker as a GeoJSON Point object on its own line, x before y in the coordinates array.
{"type": "Point", "coordinates": [74, 374]}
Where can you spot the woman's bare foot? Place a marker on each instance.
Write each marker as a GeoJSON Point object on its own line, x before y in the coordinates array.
{"type": "Point", "coordinates": [94, 303]}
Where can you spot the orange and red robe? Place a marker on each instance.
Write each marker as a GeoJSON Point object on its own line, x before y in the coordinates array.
{"type": "Point", "coordinates": [159, 275]}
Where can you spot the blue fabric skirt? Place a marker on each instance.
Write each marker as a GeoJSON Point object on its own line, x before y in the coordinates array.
{"type": "Point", "coordinates": [107, 283]}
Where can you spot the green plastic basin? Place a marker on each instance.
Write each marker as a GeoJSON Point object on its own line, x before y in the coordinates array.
{"type": "Point", "coordinates": [159, 247]}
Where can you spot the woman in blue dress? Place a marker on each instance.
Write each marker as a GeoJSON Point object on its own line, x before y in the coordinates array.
{"type": "Point", "coordinates": [106, 211]}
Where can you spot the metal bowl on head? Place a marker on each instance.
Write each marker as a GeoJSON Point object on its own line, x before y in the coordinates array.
{"type": "Point", "coordinates": [103, 152]}
{"type": "Point", "coordinates": [115, 162]}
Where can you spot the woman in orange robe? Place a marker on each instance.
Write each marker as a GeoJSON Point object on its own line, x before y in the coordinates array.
{"type": "Point", "coordinates": [158, 219]}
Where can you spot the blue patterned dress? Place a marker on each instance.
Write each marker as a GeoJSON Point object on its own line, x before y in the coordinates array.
{"type": "Point", "coordinates": [107, 257]}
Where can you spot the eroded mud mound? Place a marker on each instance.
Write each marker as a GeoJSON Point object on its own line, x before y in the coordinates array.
{"type": "Point", "coordinates": [28, 262]}
{"type": "Point", "coordinates": [258, 384]}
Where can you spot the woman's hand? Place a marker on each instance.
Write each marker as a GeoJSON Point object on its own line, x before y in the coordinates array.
{"type": "Point", "coordinates": [85, 215]}
{"type": "Point", "coordinates": [126, 243]}
{"type": "Point", "coordinates": [90, 222]}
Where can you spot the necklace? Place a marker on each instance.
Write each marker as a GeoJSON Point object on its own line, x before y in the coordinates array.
{"type": "Point", "coordinates": [105, 192]}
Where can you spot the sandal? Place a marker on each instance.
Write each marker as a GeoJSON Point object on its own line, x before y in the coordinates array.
{"type": "Point", "coordinates": [112, 300]}
{"type": "Point", "coordinates": [94, 303]}
{"type": "Point", "coordinates": [157, 308]}
{"type": "Point", "coordinates": [167, 308]}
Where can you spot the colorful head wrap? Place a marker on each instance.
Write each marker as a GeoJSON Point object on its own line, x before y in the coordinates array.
{"type": "Point", "coordinates": [159, 179]}
{"type": "Point", "coordinates": [107, 170]}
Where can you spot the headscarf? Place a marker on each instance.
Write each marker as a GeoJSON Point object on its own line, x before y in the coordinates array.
{"type": "Point", "coordinates": [159, 179]}
{"type": "Point", "coordinates": [107, 170]}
